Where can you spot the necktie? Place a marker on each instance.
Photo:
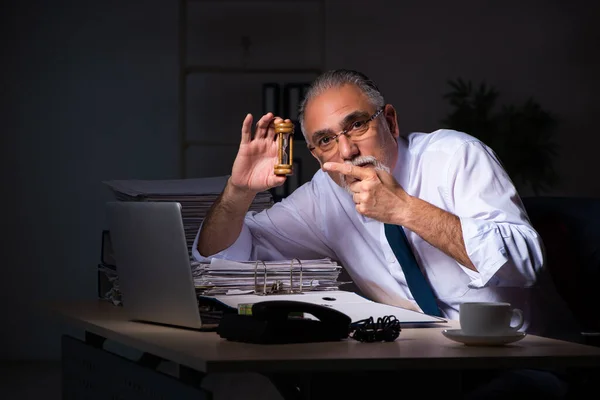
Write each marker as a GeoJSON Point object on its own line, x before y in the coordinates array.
{"type": "Point", "coordinates": [418, 285]}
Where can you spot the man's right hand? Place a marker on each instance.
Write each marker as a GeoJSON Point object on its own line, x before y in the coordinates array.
{"type": "Point", "coordinates": [257, 156]}
{"type": "Point", "coordinates": [252, 172]}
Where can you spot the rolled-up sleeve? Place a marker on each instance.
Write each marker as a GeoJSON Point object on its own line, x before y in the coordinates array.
{"type": "Point", "coordinates": [499, 239]}
{"type": "Point", "coordinates": [240, 250]}
{"type": "Point", "coordinates": [289, 229]}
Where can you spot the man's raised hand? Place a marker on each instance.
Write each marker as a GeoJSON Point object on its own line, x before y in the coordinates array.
{"type": "Point", "coordinates": [375, 192]}
{"type": "Point", "coordinates": [253, 166]}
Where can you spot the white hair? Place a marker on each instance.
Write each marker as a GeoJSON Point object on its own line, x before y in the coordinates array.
{"type": "Point", "coordinates": [336, 79]}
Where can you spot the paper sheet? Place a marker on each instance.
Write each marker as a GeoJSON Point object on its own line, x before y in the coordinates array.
{"type": "Point", "coordinates": [350, 303]}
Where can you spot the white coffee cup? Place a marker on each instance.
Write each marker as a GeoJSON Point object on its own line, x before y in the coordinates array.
{"type": "Point", "coordinates": [489, 318]}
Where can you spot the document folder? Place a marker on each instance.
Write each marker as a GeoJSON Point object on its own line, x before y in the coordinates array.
{"type": "Point", "coordinates": [354, 306]}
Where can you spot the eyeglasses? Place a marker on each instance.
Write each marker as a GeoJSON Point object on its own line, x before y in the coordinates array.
{"type": "Point", "coordinates": [355, 131]}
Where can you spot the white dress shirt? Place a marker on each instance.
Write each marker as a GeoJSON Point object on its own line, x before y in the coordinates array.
{"type": "Point", "coordinates": [451, 170]}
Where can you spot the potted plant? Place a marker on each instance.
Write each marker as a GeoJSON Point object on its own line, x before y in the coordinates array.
{"type": "Point", "coordinates": [520, 135]}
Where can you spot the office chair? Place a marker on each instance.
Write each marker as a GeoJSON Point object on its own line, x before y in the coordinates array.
{"type": "Point", "coordinates": [570, 230]}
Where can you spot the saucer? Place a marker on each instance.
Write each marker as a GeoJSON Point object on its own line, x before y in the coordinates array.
{"type": "Point", "coordinates": [473, 340]}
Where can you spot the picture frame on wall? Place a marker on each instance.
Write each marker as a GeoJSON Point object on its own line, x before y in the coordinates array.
{"type": "Point", "coordinates": [293, 182]}
{"type": "Point", "coordinates": [271, 98]}
{"type": "Point", "coordinates": [293, 94]}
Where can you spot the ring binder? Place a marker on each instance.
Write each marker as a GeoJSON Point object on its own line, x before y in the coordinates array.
{"type": "Point", "coordinates": [264, 291]}
{"type": "Point", "coordinates": [277, 287]}
{"type": "Point", "coordinates": [265, 277]}
{"type": "Point", "coordinates": [292, 275]}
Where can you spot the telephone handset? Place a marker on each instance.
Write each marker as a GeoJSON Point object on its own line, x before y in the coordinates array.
{"type": "Point", "coordinates": [277, 321]}
{"type": "Point", "coordinates": [281, 309]}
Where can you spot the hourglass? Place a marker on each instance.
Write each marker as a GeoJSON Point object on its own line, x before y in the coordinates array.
{"type": "Point", "coordinates": [285, 142]}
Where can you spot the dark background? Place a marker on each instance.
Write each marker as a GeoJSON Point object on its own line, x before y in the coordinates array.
{"type": "Point", "coordinates": [90, 93]}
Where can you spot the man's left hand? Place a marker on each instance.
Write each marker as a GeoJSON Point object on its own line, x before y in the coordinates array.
{"type": "Point", "coordinates": [376, 193]}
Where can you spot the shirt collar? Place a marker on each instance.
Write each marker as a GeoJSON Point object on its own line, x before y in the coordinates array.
{"type": "Point", "coordinates": [402, 170]}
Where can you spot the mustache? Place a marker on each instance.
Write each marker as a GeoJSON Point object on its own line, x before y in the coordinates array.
{"type": "Point", "coordinates": [361, 161]}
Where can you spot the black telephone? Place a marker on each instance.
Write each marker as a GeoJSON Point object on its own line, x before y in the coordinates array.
{"type": "Point", "coordinates": [273, 322]}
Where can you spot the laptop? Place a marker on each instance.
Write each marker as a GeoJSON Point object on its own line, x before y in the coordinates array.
{"type": "Point", "coordinates": [153, 263]}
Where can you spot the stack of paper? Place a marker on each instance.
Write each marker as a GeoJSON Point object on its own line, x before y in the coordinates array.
{"type": "Point", "coordinates": [286, 276]}
{"type": "Point", "coordinates": [196, 196]}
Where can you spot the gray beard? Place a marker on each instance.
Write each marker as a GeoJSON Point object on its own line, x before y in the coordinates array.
{"type": "Point", "coordinates": [361, 161]}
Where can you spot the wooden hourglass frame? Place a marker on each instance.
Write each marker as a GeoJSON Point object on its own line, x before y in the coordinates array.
{"type": "Point", "coordinates": [285, 143]}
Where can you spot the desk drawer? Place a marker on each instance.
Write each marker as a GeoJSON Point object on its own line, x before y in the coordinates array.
{"type": "Point", "coordinates": [93, 373]}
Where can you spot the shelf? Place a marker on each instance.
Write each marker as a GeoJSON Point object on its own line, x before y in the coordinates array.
{"type": "Point", "coordinates": [191, 143]}
{"type": "Point", "coordinates": [191, 69]}
{"type": "Point", "coordinates": [257, 1]}
{"type": "Point", "coordinates": [202, 60]}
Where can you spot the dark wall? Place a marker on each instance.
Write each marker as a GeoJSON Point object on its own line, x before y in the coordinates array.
{"type": "Point", "coordinates": [89, 92]}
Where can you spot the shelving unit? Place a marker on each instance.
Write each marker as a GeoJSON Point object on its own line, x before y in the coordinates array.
{"type": "Point", "coordinates": [274, 71]}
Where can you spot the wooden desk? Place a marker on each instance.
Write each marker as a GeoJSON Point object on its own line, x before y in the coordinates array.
{"type": "Point", "coordinates": [416, 348]}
